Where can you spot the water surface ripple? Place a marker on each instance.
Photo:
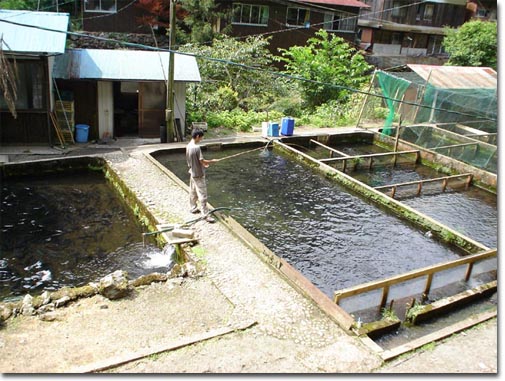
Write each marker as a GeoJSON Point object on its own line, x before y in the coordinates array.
{"type": "Point", "coordinates": [334, 238]}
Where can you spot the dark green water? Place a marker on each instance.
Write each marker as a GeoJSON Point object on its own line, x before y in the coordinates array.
{"type": "Point", "coordinates": [68, 230]}
{"type": "Point", "coordinates": [472, 212]}
{"type": "Point", "coordinates": [334, 238]}
{"type": "Point", "coordinates": [486, 159]}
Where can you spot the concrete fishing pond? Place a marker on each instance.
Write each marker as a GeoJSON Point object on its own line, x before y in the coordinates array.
{"type": "Point", "coordinates": [331, 226]}
{"type": "Point", "coordinates": [68, 230]}
{"type": "Point", "coordinates": [470, 210]}
{"type": "Point", "coordinates": [334, 238]}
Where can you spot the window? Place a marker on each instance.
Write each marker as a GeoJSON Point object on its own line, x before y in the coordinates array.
{"type": "Point", "coordinates": [297, 16]}
{"type": "Point", "coordinates": [481, 12]}
{"type": "Point", "coordinates": [250, 14]}
{"type": "Point", "coordinates": [109, 6]}
{"type": "Point", "coordinates": [435, 45]}
{"type": "Point", "coordinates": [396, 39]}
{"type": "Point", "coordinates": [340, 22]}
{"type": "Point", "coordinates": [30, 87]}
{"type": "Point", "coordinates": [399, 9]}
{"type": "Point", "coordinates": [428, 12]}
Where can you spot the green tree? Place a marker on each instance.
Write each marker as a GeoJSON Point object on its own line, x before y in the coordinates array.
{"type": "Point", "coordinates": [330, 66]}
{"type": "Point", "coordinates": [235, 74]}
{"type": "Point", "coordinates": [472, 44]}
{"type": "Point", "coordinates": [31, 5]}
{"type": "Point", "coordinates": [195, 18]}
{"type": "Point", "coordinates": [197, 24]}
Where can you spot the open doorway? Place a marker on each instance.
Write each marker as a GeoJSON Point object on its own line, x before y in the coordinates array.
{"type": "Point", "coordinates": [126, 113]}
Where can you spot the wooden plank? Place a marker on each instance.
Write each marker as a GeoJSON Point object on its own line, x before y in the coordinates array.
{"type": "Point", "coordinates": [60, 136]}
{"type": "Point", "coordinates": [337, 313]}
{"type": "Point", "coordinates": [382, 154]}
{"type": "Point", "coordinates": [454, 146]}
{"type": "Point", "coordinates": [468, 272]}
{"type": "Point", "coordinates": [174, 344]}
{"type": "Point", "coordinates": [427, 287]}
{"type": "Point", "coordinates": [359, 289]}
{"type": "Point", "coordinates": [372, 345]}
{"type": "Point", "coordinates": [424, 181]}
{"type": "Point", "coordinates": [483, 134]}
{"type": "Point", "coordinates": [384, 299]}
{"type": "Point", "coordinates": [438, 335]}
{"type": "Point", "coordinates": [329, 148]}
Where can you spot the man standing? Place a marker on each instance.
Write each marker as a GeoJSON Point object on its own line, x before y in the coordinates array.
{"type": "Point", "coordinates": [197, 182]}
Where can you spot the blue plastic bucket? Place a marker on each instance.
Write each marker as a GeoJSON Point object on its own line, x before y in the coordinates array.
{"type": "Point", "coordinates": [273, 129]}
{"type": "Point", "coordinates": [287, 126]}
{"type": "Point", "coordinates": [81, 133]}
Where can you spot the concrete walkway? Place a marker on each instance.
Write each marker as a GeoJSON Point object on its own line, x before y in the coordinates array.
{"type": "Point", "coordinates": [238, 316]}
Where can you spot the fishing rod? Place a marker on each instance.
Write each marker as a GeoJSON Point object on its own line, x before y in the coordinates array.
{"type": "Point", "coordinates": [185, 224]}
{"type": "Point", "coordinates": [243, 153]}
{"type": "Point", "coordinates": [237, 154]}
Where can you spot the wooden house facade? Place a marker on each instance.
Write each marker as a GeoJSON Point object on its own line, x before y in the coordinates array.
{"type": "Point", "coordinates": [290, 23]}
{"type": "Point", "coordinates": [403, 27]}
{"type": "Point", "coordinates": [30, 41]}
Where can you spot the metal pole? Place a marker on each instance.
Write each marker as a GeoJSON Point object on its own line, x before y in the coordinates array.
{"type": "Point", "coordinates": [169, 114]}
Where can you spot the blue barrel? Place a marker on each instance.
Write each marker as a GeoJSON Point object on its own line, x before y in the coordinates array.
{"type": "Point", "coordinates": [273, 129]}
{"type": "Point", "coordinates": [81, 133]}
{"type": "Point", "coordinates": [287, 126]}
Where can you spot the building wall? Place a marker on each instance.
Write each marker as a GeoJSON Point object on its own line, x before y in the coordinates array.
{"type": "Point", "coordinates": [124, 21]}
{"type": "Point", "coordinates": [148, 111]}
{"type": "Point", "coordinates": [409, 25]}
{"type": "Point", "coordinates": [32, 124]}
{"type": "Point", "coordinates": [282, 35]}
{"type": "Point", "coordinates": [84, 95]}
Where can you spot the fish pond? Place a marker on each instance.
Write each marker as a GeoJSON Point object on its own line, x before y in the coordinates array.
{"type": "Point", "coordinates": [335, 238]}
{"type": "Point", "coordinates": [68, 230]}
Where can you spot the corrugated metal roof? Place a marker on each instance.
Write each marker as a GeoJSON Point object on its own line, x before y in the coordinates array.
{"type": "Point", "coordinates": [457, 77]}
{"type": "Point", "coordinates": [19, 38]}
{"type": "Point", "coordinates": [124, 65]}
{"type": "Point", "coordinates": [345, 3]}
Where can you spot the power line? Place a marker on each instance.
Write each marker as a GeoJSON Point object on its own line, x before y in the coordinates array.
{"type": "Point", "coordinates": [248, 67]}
{"type": "Point", "coordinates": [312, 6]}
{"type": "Point", "coordinates": [71, 2]}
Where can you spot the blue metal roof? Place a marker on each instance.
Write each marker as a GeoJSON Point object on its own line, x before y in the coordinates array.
{"type": "Point", "coordinates": [124, 65]}
{"type": "Point", "coordinates": [24, 31]}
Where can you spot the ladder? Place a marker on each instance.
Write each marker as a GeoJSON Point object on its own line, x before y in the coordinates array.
{"type": "Point", "coordinates": [62, 128]}
{"type": "Point", "coordinates": [63, 119]}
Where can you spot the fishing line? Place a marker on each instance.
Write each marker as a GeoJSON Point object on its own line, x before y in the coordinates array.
{"type": "Point", "coordinates": [263, 153]}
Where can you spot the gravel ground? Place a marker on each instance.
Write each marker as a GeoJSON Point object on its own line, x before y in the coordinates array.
{"type": "Point", "coordinates": [239, 316]}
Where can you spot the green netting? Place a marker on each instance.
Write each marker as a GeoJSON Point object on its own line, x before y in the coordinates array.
{"type": "Point", "coordinates": [457, 105]}
{"type": "Point", "coordinates": [393, 89]}
{"type": "Point", "coordinates": [460, 123]}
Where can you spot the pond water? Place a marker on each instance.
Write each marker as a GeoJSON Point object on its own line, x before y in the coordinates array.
{"type": "Point", "coordinates": [486, 156]}
{"type": "Point", "coordinates": [334, 238]}
{"type": "Point", "coordinates": [472, 212]}
{"type": "Point", "coordinates": [68, 230]}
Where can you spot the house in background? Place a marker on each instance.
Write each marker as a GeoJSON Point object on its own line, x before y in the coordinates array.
{"type": "Point", "coordinates": [31, 40]}
{"type": "Point", "coordinates": [397, 32]}
{"type": "Point", "coordinates": [291, 23]}
{"type": "Point", "coordinates": [484, 10]}
{"type": "Point", "coordinates": [121, 93]}
{"type": "Point", "coordinates": [287, 22]}
{"type": "Point", "coordinates": [112, 16]}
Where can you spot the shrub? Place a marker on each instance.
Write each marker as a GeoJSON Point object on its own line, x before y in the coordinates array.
{"type": "Point", "coordinates": [238, 120]}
